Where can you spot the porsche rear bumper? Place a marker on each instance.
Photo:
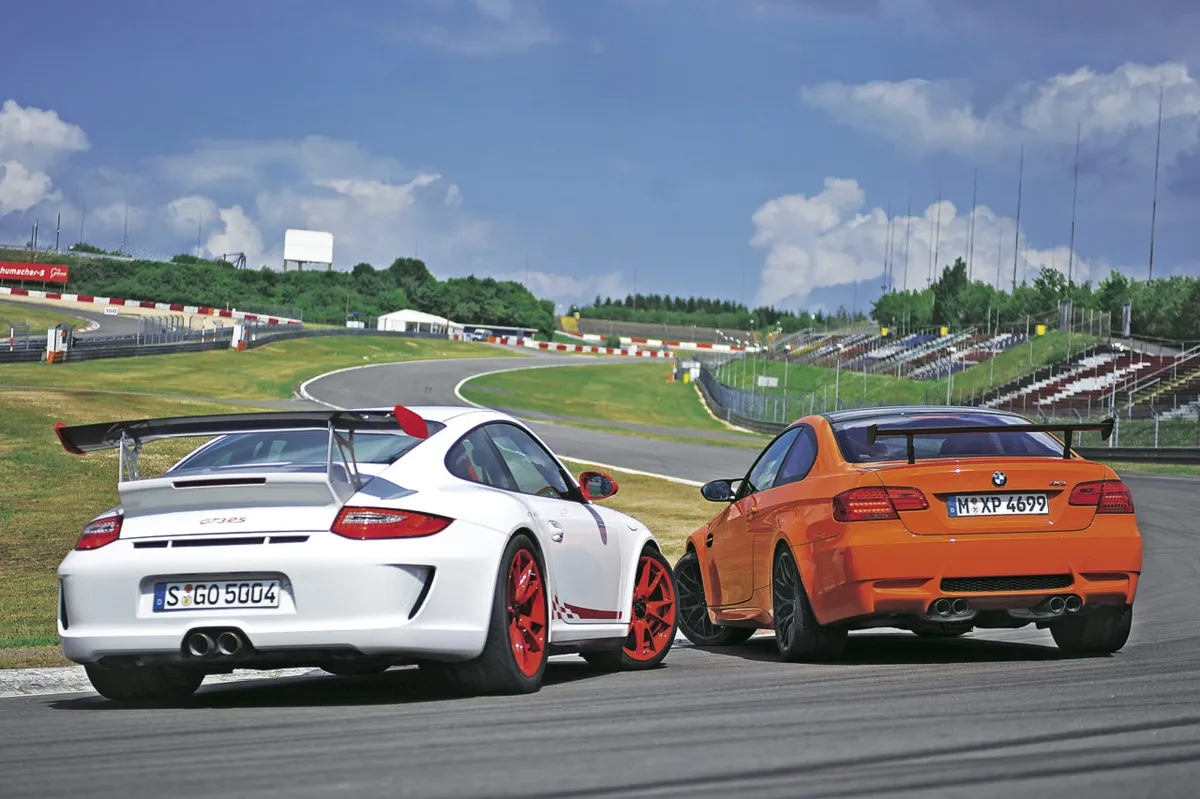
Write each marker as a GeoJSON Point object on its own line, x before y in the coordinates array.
{"type": "Point", "coordinates": [423, 598]}
{"type": "Point", "coordinates": [890, 571]}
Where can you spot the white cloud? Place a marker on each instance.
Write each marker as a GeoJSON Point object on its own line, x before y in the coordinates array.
{"type": "Point", "coordinates": [239, 234]}
{"type": "Point", "coordinates": [565, 289]}
{"type": "Point", "coordinates": [21, 189]}
{"type": "Point", "coordinates": [190, 213]}
{"type": "Point", "coordinates": [832, 239]}
{"type": "Point", "coordinates": [31, 141]}
{"type": "Point", "coordinates": [495, 27]}
{"type": "Point", "coordinates": [924, 115]}
{"type": "Point", "coordinates": [35, 136]}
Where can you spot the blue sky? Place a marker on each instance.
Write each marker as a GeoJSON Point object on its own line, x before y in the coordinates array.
{"type": "Point", "coordinates": [748, 149]}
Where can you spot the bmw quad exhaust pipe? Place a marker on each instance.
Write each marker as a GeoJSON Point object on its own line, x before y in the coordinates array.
{"type": "Point", "coordinates": [951, 609]}
{"type": "Point", "coordinates": [1056, 604]}
{"type": "Point", "coordinates": [199, 645]}
{"type": "Point", "coordinates": [229, 643]}
{"type": "Point", "coordinates": [1073, 604]}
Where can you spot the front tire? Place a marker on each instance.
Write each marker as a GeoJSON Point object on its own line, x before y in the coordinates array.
{"type": "Point", "coordinates": [513, 660]}
{"type": "Point", "coordinates": [144, 683]}
{"type": "Point", "coordinates": [1101, 632]}
{"type": "Point", "coordinates": [653, 620]}
{"type": "Point", "coordinates": [798, 634]}
{"type": "Point", "coordinates": [697, 627]}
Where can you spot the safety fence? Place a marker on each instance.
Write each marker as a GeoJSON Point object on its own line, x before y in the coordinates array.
{"type": "Point", "coordinates": [1156, 440]}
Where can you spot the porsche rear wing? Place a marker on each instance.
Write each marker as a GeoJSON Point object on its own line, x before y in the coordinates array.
{"type": "Point", "coordinates": [130, 436]}
{"type": "Point", "coordinates": [1104, 428]}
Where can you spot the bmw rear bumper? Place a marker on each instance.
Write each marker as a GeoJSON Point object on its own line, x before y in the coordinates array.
{"type": "Point", "coordinates": [423, 598]}
{"type": "Point", "coordinates": [896, 573]}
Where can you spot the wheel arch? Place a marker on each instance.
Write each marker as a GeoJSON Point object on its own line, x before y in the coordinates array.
{"type": "Point", "coordinates": [807, 568]}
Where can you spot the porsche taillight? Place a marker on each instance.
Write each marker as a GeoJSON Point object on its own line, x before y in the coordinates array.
{"type": "Point", "coordinates": [875, 504]}
{"type": "Point", "coordinates": [371, 524]}
{"type": "Point", "coordinates": [100, 532]}
{"type": "Point", "coordinates": [1108, 496]}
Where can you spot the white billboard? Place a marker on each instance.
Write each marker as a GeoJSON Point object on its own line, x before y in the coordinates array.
{"type": "Point", "coordinates": [308, 246]}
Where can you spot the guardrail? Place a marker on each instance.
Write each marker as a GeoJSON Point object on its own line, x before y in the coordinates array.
{"type": "Point", "coordinates": [128, 346]}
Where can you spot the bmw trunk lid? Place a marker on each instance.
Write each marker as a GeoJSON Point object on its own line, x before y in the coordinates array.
{"type": "Point", "coordinates": [993, 495]}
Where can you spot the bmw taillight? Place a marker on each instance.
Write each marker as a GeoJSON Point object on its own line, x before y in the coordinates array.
{"type": "Point", "coordinates": [1108, 496]}
{"type": "Point", "coordinates": [908, 499]}
{"type": "Point", "coordinates": [876, 504]}
{"type": "Point", "coordinates": [101, 531]}
{"type": "Point", "coordinates": [370, 524]}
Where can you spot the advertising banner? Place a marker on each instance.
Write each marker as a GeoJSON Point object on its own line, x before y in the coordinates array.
{"type": "Point", "coordinates": [52, 273]}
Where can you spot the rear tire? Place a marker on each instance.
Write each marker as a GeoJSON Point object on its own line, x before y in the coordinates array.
{"type": "Point", "coordinates": [798, 634]}
{"type": "Point", "coordinates": [653, 619]}
{"type": "Point", "coordinates": [693, 608]}
{"type": "Point", "coordinates": [1101, 632]}
{"type": "Point", "coordinates": [144, 683]}
{"type": "Point", "coordinates": [513, 660]}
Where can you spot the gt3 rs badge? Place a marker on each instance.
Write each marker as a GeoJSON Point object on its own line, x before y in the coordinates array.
{"type": "Point", "coordinates": [999, 479]}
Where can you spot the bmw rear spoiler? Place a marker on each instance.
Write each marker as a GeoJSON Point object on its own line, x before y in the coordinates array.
{"type": "Point", "coordinates": [1104, 428]}
{"type": "Point", "coordinates": [129, 436]}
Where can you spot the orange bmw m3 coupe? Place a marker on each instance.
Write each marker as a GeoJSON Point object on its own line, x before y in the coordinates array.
{"type": "Point", "coordinates": [933, 519]}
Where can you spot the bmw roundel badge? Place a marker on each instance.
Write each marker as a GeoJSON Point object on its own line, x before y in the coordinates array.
{"type": "Point", "coordinates": [999, 479]}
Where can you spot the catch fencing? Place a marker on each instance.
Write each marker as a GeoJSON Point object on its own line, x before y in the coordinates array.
{"type": "Point", "coordinates": [1157, 440]}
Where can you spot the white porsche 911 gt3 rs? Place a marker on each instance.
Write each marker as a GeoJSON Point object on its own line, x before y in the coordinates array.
{"type": "Point", "coordinates": [353, 541]}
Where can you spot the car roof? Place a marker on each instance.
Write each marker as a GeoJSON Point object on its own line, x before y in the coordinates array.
{"type": "Point", "coordinates": [858, 414]}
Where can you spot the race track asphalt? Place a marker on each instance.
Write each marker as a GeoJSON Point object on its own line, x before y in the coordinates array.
{"type": "Point", "coordinates": [989, 715]}
{"type": "Point", "coordinates": [108, 325]}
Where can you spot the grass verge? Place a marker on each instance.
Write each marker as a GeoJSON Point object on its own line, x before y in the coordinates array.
{"type": "Point", "coordinates": [637, 393]}
{"type": "Point", "coordinates": [671, 510]}
{"type": "Point", "coordinates": [50, 495]}
{"type": "Point", "coordinates": [269, 372]}
{"type": "Point", "coordinates": [39, 317]}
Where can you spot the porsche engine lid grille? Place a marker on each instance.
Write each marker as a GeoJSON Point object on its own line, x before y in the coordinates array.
{"type": "Point", "coordinates": [1033, 582]}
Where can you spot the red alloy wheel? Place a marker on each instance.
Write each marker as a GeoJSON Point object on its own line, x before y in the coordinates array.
{"type": "Point", "coordinates": [526, 613]}
{"type": "Point", "coordinates": [653, 621]}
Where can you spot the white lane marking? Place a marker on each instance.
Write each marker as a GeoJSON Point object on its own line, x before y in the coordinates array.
{"type": "Point", "coordinates": [303, 390]}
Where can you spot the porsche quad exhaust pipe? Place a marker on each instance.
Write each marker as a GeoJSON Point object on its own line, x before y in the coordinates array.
{"type": "Point", "coordinates": [199, 645]}
{"type": "Point", "coordinates": [229, 643]}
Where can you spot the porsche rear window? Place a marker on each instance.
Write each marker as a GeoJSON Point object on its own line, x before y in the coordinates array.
{"type": "Point", "coordinates": [296, 448]}
{"type": "Point", "coordinates": [851, 436]}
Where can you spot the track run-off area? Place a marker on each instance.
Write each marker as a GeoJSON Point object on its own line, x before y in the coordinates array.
{"type": "Point", "coordinates": [994, 714]}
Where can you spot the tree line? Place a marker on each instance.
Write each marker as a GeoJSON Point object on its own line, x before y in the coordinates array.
{"type": "Point", "coordinates": [321, 296]}
{"type": "Point", "coordinates": [1166, 308]}
{"type": "Point", "coordinates": [711, 313]}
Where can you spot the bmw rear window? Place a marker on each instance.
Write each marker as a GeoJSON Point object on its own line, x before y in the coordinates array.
{"type": "Point", "coordinates": [296, 448]}
{"type": "Point", "coordinates": [851, 437]}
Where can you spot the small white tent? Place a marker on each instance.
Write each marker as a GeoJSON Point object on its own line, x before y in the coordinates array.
{"type": "Point", "coordinates": [410, 321]}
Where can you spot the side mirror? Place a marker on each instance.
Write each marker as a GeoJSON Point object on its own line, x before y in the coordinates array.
{"type": "Point", "coordinates": [597, 486]}
{"type": "Point", "coordinates": [717, 491]}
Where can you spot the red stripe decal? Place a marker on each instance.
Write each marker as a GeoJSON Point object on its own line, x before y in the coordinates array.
{"type": "Point", "coordinates": [592, 613]}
